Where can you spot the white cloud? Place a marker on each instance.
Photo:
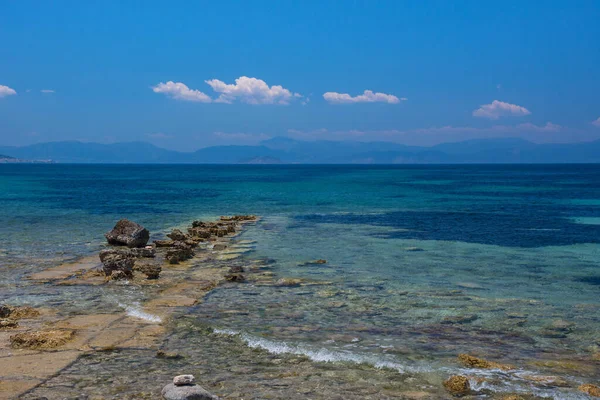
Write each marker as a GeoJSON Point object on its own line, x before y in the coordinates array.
{"type": "Point", "coordinates": [47, 91]}
{"type": "Point", "coordinates": [497, 109]}
{"type": "Point", "coordinates": [6, 91]}
{"type": "Point", "coordinates": [367, 97]}
{"type": "Point", "coordinates": [251, 91]}
{"type": "Point", "coordinates": [180, 91]}
{"type": "Point", "coordinates": [596, 122]}
{"type": "Point", "coordinates": [245, 89]}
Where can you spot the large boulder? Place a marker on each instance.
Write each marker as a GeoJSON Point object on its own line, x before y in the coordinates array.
{"type": "Point", "coordinates": [128, 233]}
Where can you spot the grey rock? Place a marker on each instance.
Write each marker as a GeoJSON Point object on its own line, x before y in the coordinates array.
{"type": "Point", "coordinates": [190, 392]}
{"type": "Point", "coordinates": [128, 233]}
{"type": "Point", "coordinates": [176, 235]}
{"type": "Point", "coordinates": [184, 380]}
{"type": "Point", "coordinates": [116, 261]}
{"type": "Point", "coordinates": [150, 268]}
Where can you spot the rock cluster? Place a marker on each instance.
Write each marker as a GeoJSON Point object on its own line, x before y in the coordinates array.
{"type": "Point", "coordinates": [458, 385]}
{"type": "Point", "coordinates": [10, 314]}
{"type": "Point", "coordinates": [592, 390]}
{"type": "Point", "coordinates": [181, 245]}
{"type": "Point", "coordinates": [128, 233]}
{"type": "Point", "coordinates": [474, 362]}
{"type": "Point", "coordinates": [122, 262]}
{"type": "Point", "coordinates": [45, 339]}
{"type": "Point", "coordinates": [185, 388]}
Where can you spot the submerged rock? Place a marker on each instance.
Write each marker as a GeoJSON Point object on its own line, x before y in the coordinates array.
{"type": "Point", "coordinates": [458, 385]}
{"type": "Point", "coordinates": [45, 339]}
{"type": "Point", "coordinates": [239, 218]}
{"type": "Point", "coordinates": [18, 312]}
{"type": "Point", "coordinates": [460, 319]}
{"type": "Point", "coordinates": [474, 362]}
{"type": "Point", "coordinates": [290, 282]}
{"type": "Point", "coordinates": [235, 277]}
{"type": "Point", "coordinates": [313, 262]}
{"type": "Point", "coordinates": [168, 355]}
{"type": "Point", "coordinates": [592, 390]}
{"type": "Point", "coordinates": [128, 233]}
{"type": "Point", "coordinates": [6, 323]}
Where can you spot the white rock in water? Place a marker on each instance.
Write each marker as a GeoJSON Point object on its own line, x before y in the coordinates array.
{"type": "Point", "coordinates": [182, 380]}
{"type": "Point", "coordinates": [190, 392]}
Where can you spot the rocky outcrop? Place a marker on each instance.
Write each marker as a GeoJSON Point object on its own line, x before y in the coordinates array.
{"type": "Point", "coordinates": [45, 339]}
{"type": "Point", "coordinates": [117, 263]}
{"type": "Point", "coordinates": [18, 312]}
{"type": "Point", "coordinates": [128, 233]}
{"type": "Point", "coordinates": [178, 252]}
{"type": "Point", "coordinates": [184, 388]}
{"type": "Point", "coordinates": [177, 235]}
{"type": "Point", "coordinates": [592, 390]}
{"type": "Point", "coordinates": [457, 385]}
{"type": "Point", "coordinates": [147, 267]}
{"type": "Point", "coordinates": [239, 218]}
{"type": "Point", "coordinates": [474, 362]}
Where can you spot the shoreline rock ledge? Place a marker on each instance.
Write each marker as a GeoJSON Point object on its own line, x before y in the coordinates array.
{"type": "Point", "coordinates": [185, 388]}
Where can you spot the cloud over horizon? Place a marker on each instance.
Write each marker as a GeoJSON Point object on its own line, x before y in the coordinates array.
{"type": "Point", "coordinates": [368, 96]}
{"type": "Point", "coordinates": [596, 122]}
{"type": "Point", "coordinates": [47, 91]}
{"type": "Point", "coordinates": [497, 109]}
{"type": "Point", "coordinates": [6, 91]}
{"type": "Point", "coordinates": [246, 90]}
{"type": "Point", "coordinates": [180, 91]}
{"type": "Point", "coordinates": [251, 91]}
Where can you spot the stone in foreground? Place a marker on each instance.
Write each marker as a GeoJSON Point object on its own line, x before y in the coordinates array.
{"type": "Point", "coordinates": [128, 233]}
{"type": "Point", "coordinates": [187, 392]}
{"type": "Point", "coordinates": [457, 385]}
{"type": "Point", "coordinates": [184, 380]}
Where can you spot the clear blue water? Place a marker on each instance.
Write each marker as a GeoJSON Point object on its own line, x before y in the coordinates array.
{"type": "Point", "coordinates": [513, 248]}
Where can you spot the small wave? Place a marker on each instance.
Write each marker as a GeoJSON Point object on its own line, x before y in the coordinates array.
{"type": "Point", "coordinates": [319, 355]}
{"type": "Point", "coordinates": [137, 312]}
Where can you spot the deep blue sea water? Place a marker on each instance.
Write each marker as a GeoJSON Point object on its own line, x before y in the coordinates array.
{"type": "Point", "coordinates": [510, 251]}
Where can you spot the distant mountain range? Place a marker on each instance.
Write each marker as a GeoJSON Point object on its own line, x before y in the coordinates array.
{"type": "Point", "coordinates": [285, 150]}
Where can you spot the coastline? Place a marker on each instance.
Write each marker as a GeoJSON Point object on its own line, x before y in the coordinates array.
{"type": "Point", "coordinates": [157, 332]}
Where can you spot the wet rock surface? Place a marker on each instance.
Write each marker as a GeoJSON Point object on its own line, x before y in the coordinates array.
{"type": "Point", "coordinates": [128, 233]}
{"type": "Point", "coordinates": [45, 339]}
{"type": "Point", "coordinates": [457, 385]}
{"type": "Point", "coordinates": [188, 392]}
{"type": "Point", "coordinates": [475, 362]}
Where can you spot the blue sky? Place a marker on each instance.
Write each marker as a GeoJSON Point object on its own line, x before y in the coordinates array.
{"type": "Point", "coordinates": [184, 75]}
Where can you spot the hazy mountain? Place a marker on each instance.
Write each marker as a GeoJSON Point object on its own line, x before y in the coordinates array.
{"type": "Point", "coordinates": [286, 150]}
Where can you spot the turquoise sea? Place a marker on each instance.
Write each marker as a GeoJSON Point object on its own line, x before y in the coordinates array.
{"type": "Point", "coordinates": [423, 262]}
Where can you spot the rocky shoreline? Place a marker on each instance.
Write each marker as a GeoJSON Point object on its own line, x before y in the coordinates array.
{"type": "Point", "coordinates": [38, 346]}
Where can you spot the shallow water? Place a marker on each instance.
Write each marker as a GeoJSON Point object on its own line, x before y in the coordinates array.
{"type": "Point", "coordinates": [423, 262]}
